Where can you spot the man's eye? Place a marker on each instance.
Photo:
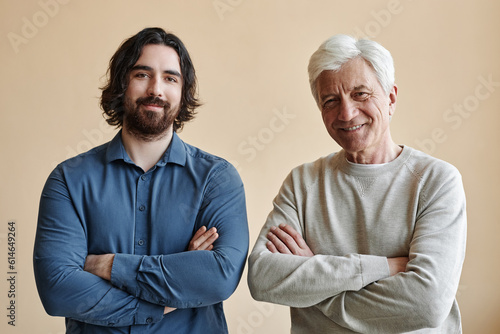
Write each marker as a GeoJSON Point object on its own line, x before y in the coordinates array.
{"type": "Point", "coordinates": [172, 79]}
{"type": "Point", "coordinates": [329, 103]}
{"type": "Point", "coordinates": [361, 95]}
{"type": "Point", "coordinates": [141, 75]}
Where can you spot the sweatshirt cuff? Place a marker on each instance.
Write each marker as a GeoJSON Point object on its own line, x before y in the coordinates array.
{"type": "Point", "coordinates": [373, 268]}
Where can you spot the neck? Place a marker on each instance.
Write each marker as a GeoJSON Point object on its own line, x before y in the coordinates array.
{"type": "Point", "coordinates": [146, 154]}
{"type": "Point", "coordinates": [379, 156]}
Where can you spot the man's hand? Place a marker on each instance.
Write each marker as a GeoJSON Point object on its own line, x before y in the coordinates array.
{"type": "Point", "coordinates": [397, 265]}
{"type": "Point", "coordinates": [203, 239]}
{"type": "Point", "coordinates": [99, 265]}
{"type": "Point", "coordinates": [284, 239]}
{"type": "Point", "coordinates": [168, 310]}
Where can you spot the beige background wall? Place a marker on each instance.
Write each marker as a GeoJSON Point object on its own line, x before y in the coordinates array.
{"type": "Point", "coordinates": [251, 59]}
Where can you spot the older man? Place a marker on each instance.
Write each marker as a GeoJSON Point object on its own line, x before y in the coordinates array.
{"type": "Point", "coordinates": [370, 239]}
{"type": "Point", "coordinates": [144, 234]}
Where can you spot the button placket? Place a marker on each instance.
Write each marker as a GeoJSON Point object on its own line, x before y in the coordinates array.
{"type": "Point", "coordinates": [141, 214]}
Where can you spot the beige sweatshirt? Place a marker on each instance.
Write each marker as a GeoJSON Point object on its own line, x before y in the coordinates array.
{"type": "Point", "coordinates": [353, 217]}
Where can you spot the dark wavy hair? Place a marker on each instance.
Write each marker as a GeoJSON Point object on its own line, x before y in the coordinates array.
{"type": "Point", "coordinates": [125, 58]}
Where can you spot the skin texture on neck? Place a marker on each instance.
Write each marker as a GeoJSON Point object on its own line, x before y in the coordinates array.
{"type": "Point", "coordinates": [388, 153]}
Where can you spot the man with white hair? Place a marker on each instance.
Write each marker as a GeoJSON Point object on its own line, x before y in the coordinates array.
{"type": "Point", "coordinates": [370, 239]}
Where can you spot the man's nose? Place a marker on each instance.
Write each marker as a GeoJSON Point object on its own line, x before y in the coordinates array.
{"type": "Point", "coordinates": [347, 111]}
{"type": "Point", "coordinates": [154, 88]}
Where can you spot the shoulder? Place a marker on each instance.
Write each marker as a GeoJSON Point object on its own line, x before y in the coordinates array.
{"type": "Point", "coordinates": [318, 166]}
{"type": "Point", "coordinates": [202, 156]}
{"type": "Point", "coordinates": [202, 162]}
{"type": "Point", "coordinates": [424, 166]}
{"type": "Point", "coordinates": [308, 174]}
{"type": "Point", "coordinates": [436, 179]}
{"type": "Point", "coordinates": [73, 170]}
{"type": "Point", "coordinates": [85, 161]}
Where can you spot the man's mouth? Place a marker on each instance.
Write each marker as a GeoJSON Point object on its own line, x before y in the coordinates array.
{"type": "Point", "coordinates": [353, 128]}
{"type": "Point", "coordinates": [152, 103]}
{"type": "Point", "coordinates": [154, 107]}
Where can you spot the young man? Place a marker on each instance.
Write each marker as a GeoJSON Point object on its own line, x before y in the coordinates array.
{"type": "Point", "coordinates": [370, 239]}
{"type": "Point", "coordinates": [145, 233]}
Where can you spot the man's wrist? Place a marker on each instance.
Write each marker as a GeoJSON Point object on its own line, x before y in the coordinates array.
{"type": "Point", "coordinates": [107, 266]}
{"type": "Point", "coordinates": [100, 265]}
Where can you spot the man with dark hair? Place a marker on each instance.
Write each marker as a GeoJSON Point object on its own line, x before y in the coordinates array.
{"type": "Point", "coordinates": [144, 233]}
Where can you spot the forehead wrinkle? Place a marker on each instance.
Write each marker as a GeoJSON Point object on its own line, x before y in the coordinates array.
{"type": "Point", "coordinates": [361, 87]}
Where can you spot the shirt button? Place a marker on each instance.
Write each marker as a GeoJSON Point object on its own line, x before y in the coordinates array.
{"type": "Point", "coordinates": [144, 177]}
{"type": "Point", "coordinates": [149, 320]}
{"type": "Point", "coordinates": [140, 242]}
{"type": "Point", "coordinates": [142, 208]}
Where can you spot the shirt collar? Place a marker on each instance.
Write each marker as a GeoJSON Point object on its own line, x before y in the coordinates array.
{"type": "Point", "coordinates": [176, 151]}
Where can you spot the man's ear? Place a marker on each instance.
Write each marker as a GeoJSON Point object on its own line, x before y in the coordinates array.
{"type": "Point", "coordinates": [393, 96]}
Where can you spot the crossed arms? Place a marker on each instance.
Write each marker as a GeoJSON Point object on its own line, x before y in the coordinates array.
{"type": "Point", "coordinates": [357, 291]}
{"type": "Point", "coordinates": [140, 288]}
{"type": "Point", "coordinates": [101, 265]}
{"type": "Point", "coordinates": [285, 240]}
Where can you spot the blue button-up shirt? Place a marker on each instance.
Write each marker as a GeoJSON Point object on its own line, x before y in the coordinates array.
{"type": "Point", "coordinates": [101, 202]}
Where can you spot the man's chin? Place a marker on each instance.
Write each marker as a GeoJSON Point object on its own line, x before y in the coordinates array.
{"type": "Point", "coordinates": [149, 128]}
{"type": "Point", "coordinates": [149, 136]}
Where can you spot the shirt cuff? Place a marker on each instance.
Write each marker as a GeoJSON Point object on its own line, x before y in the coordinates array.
{"type": "Point", "coordinates": [373, 268]}
{"type": "Point", "coordinates": [124, 272]}
{"type": "Point", "coordinates": [148, 313]}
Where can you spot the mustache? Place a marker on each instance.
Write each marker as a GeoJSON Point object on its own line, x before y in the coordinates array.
{"type": "Point", "coordinates": [153, 100]}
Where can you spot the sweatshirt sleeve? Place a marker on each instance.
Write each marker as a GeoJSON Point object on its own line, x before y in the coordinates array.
{"type": "Point", "coordinates": [421, 297]}
{"type": "Point", "coordinates": [298, 281]}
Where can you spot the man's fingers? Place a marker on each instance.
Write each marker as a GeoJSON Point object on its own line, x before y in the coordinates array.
{"type": "Point", "coordinates": [208, 243]}
{"type": "Point", "coordinates": [276, 236]}
{"type": "Point", "coordinates": [295, 235]}
{"type": "Point", "coordinates": [287, 240]}
{"type": "Point", "coordinates": [199, 233]}
{"type": "Point", "coordinates": [168, 310]}
{"type": "Point", "coordinates": [203, 239]}
{"type": "Point", "coordinates": [271, 247]}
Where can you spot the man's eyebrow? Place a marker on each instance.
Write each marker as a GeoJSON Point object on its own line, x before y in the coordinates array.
{"type": "Point", "coordinates": [141, 67]}
{"type": "Point", "coordinates": [326, 96]}
{"type": "Point", "coordinates": [149, 68]}
{"type": "Point", "coordinates": [360, 87]}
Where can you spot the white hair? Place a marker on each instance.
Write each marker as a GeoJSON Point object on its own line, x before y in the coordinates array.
{"type": "Point", "coordinates": [339, 49]}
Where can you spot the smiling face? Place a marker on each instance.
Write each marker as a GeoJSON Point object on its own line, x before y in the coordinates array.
{"type": "Point", "coordinates": [153, 94]}
{"type": "Point", "coordinates": [356, 112]}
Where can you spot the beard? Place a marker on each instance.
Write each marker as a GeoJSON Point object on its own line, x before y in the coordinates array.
{"type": "Point", "coordinates": [148, 125]}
